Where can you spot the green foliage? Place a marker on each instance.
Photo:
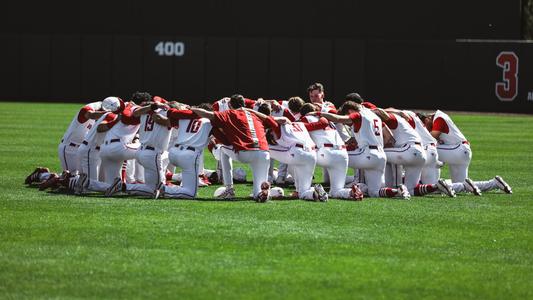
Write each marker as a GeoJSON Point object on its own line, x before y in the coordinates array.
{"type": "Point", "coordinates": [60, 246]}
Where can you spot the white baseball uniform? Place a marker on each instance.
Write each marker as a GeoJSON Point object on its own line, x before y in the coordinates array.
{"type": "Point", "coordinates": [187, 150]}
{"type": "Point", "coordinates": [154, 140]}
{"type": "Point", "coordinates": [407, 153]}
{"type": "Point", "coordinates": [89, 152]}
{"type": "Point", "coordinates": [296, 149]}
{"type": "Point", "coordinates": [117, 146]}
{"type": "Point", "coordinates": [431, 171]}
{"type": "Point", "coordinates": [369, 156]}
{"type": "Point", "coordinates": [331, 155]}
{"type": "Point", "coordinates": [454, 149]}
{"type": "Point", "coordinates": [74, 136]}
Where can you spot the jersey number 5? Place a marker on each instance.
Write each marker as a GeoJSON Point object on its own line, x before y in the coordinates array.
{"type": "Point", "coordinates": [507, 89]}
{"type": "Point", "coordinates": [376, 127]}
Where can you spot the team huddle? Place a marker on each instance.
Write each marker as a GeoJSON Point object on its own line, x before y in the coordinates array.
{"type": "Point", "coordinates": [135, 148]}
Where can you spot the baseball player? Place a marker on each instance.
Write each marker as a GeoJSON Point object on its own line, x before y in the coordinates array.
{"type": "Point", "coordinates": [192, 138]}
{"type": "Point", "coordinates": [331, 153]}
{"type": "Point", "coordinates": [89, 150]}
{"type": "Point", "coordinates": [408, 154]}
{"type": "Point", "coordinates": [154, 138]}
{"type": "Point", "coordinates": [118, 146]}
{"type": "Point", "coordinates": [454, 149]}
{"type": "Point", "coordinates": [73, 137]}
{"type": "Point", "coordinates": [246, 134]}
{"type": "Point", "coordinates": [369, 156]}
{"type": "Point", "coordinates": [292, 145]}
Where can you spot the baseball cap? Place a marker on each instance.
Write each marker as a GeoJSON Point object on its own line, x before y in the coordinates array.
{"type": "Point", "coordinates": [111, 104]}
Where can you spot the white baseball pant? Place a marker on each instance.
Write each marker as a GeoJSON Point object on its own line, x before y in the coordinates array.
{"type": "Point", "coordinates": [431, 171]}
{"type": "Point", "coordinates": [371, 160]}
{"type": "Point", "coordinates": [68, 156]}
{"type": "Point", "coordinates": [458, 158]}
{"type": "Point", "coordinates": [303, 162]}
{"type": "Point", "coordinates": [154, 173]}
{"type": "Point", "coordinates": [189, 160]}
{"type": "Point", "coordinates": [259, 161]}
{"type": "Point", "coordinates": [113, 156]}
{"type": "Point", "coordinates": [335, 161]}
{"type": "Point", "coordinates": [412, 158]}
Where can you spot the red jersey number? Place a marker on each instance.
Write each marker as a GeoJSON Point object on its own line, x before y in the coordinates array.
{"type": "Point", "coordinates": [296, 127]}
{"type": "Point", "coordinates": [149, 124]}
{"type": "Point", "coordinates": [507, 89]}
{"type": "Point", "coordinates": [376, 127]}
{"type": "Point", "coordinates": [194, 125]}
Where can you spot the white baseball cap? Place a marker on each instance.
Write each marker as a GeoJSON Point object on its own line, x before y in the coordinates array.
{"type": "Point", "coordinates": [111, 104]}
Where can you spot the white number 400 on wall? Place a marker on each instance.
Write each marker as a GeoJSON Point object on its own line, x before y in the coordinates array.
{"type": "Point", "coordinates": [170, 48]}
{"type": "Point", "coordinates": [507, 89]}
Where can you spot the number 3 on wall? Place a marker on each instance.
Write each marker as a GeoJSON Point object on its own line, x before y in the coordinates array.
{"type": "Point", "coordinates": [507, 89]}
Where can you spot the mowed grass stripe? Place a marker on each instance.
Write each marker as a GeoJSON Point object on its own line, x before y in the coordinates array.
{"type": "Point", "coordinates": [60, 246]}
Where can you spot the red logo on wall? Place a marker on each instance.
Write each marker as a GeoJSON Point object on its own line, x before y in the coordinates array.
{"type": "Point", "coordinates": [507, 89]}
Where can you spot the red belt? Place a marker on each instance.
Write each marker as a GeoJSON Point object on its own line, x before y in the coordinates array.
{"type": "Point", "coordinates": [331, 146]}
{"type": "Point", "coordinates": [302, 146]}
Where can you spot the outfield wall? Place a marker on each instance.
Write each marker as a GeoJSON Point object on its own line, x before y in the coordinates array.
{"type": "Point", "coordinates": [459, 75]}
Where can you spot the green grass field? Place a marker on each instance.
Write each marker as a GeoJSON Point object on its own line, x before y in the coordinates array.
{"type": "Point", "coordinates": [61, 246]}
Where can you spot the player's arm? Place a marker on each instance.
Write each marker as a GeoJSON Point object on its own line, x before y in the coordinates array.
{"type": "Point", "coordinates": [108, 122]}
{"type": "Point", "coordinates": [401, 113]}
{"type": "Point", "coordinates": [161, 120]}
{"type": "Point", "coordinates": [335, 118]}
{"type": "Point", "coordinates": [95, 115]}
{"type": "Point", "coordinates": [146, 109]}
{"type": "Point", "coordinates": [435, 134]}
{"type": "Point", "coordinates": [382, 114]}
{"type": "Point", "coordinates": [202, 113]}
{"type": "Point", "coordinates": [388, 137]}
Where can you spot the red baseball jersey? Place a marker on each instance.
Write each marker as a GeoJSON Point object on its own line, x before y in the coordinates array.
{"type": "Point", "coordinates": [243, 129]}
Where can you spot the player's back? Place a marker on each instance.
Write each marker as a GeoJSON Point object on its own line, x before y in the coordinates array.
{"type": "Point", "coordinates": [154, 134]}
{"type": "Point", "coordinates": [403, 132]}
{"type": "Point", "coordinates": [128, 126]}
{"type": "Point", "coordinates": [79, 126]}
{"type": "Point", "coordinates": [371, 130]}
{"type": "Point", "coordinates": [422, 131]}
{"type": "Point", "coordinates": [193, 132]}
{"type": "Point", "coordinates": [295, 133]}
{"type": "Point", "coordinates": [327, 135]}
{"type": "Point", "coordinates": [453, 135]}
{"type": "Point", "coordinates": [95, 138]}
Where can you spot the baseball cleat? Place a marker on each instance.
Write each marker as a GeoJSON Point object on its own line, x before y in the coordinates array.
{"type": "Point", "coordinates": [445, 188]}
{"type": "Point", "coordinates": [81, 184]}
{"type": "Point", "coordinates": [471, 187]}
{"type": "Point", "coordinates": [34, 176]}
{"type": "Point", "coordinates": [403, 192]}
{"type": "Point", "coordinates": [160, 191]}
{"type": "Point", "coordinates": [502, 185]}
{"type": "Point", "coordinates": [228, 193]}
{"type": "Point", "coordinates": [264, 194]}
{"type": "Point", "coordinates": [320, 193]}
{"type": "Point", "coordinates": [356, 193]}
{"type": "Point", "coordinates": [51, 182]}
{"type": "Point", "coordinates": [115, 187]}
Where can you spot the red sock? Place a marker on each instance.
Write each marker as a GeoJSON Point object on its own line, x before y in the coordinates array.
{"type": "Point", "coordinates": [387, 192]}
{"type": "Point", "coordinates": [424, 189]}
